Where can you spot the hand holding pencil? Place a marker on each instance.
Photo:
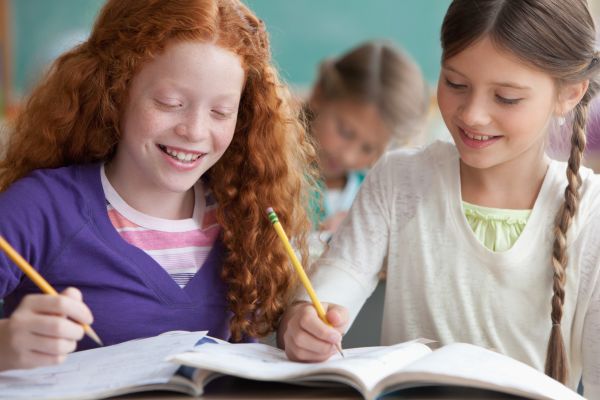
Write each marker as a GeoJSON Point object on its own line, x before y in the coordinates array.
{"type": "Point", "coordinates": [324, 333]}
{"type": "Point", "coordinates": [43, 328]}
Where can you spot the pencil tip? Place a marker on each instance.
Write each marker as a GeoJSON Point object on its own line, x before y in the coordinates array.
{"type": "Point", "coordinates": [339, 349]}
{"type": "Point", "coordinates": [94, 336]}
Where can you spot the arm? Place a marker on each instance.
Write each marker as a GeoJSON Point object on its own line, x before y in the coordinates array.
{"type": "Point", "coordinates": [346, 274]}
{"type": "Point", "coordinates": [40, 328]}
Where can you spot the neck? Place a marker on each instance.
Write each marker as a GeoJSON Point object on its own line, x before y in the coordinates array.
{"type": "Point", "coordinates": [514, 184]}
{"type": "Point", "coordinates": [152, 201]}
{"type": "Point", "coordinates": [336, 183]}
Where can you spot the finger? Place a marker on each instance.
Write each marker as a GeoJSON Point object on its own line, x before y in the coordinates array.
{"type": "Point", "coordinates": [73, 293]}
{"type": "Point", "coordinates": [303, 341]}
{"type": "Point", "coordinates": [50, 346]}
{"type": "Point", "coordinates": [337, 317]}
{"type": "Point", "coordinates": [61, 305]}
{"type": "Point", "coordinates": [302, 348]}
{"type": "Point", "coordinates": [311, 323]}
{"type": "Point", "coordinates": [56, 327]}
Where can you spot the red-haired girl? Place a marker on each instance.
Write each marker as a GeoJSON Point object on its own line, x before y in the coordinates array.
{"type": "Point", "coordinates": [139, 171]}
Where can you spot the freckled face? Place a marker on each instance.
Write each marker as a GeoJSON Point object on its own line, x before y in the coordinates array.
{"type": "Point", "coordinates": [179, 118]}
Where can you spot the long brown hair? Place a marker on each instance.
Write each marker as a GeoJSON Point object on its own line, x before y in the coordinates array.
{"type": "Point", "coordinates": [74, 115]}
{"type": "Point", "coordinates": [557, 37]}
{"type": "Point", "coordinates": [378, 73]}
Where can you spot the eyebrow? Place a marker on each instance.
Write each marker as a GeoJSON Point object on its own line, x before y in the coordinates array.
{"type": "Point", "coordinates": [511, 85]}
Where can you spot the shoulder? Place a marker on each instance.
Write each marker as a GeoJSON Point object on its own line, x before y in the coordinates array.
{"type": "Point", "coordinates": [436, 153]}
{"type": "Point", "coordinates": [419, 164]}
{"type": "Point", "coordinates": [54, 184]}
{"type": "Point", "coordinates": [51, 192]}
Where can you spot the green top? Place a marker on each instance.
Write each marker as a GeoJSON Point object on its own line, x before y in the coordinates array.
{"type": "Point", "coordinates": [496, 228]}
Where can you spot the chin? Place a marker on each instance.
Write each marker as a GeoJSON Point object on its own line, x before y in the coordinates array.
{"type": "Point", "coordinates": [477, 162]}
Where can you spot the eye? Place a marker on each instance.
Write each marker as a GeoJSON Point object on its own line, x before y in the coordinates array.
{"type": "Point", "coordinates": [220, 114]}
{"type": "Point", "coordinates": [453, 85]}
{"type": "Point", "coordinates": [170, 104]}
{"type": "Point", "coordinates": [504, 100]}
{"type": "Point", "coordinates": [342, 131]}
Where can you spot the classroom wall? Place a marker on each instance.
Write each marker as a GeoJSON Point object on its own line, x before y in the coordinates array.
{"type": "Point", "coordinates": [41, 30]}
{"type": "Point", "coordinates": [302, 32]}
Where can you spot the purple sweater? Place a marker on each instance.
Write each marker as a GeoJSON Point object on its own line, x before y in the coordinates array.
{"type": "Point", "coordinates": [57, 220]}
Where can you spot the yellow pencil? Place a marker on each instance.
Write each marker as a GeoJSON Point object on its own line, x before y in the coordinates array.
{"type": "Point", "coordinates": [296, 263]}
{"type": "Point", "coordinates": [39, 281]}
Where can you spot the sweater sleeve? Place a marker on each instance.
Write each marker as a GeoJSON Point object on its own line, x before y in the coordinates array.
{"type": "Point", "coordinates": [347, 273]}
{"type": "Point", "coordinates": [21, 227]}
{"type": "Point", "coordinates": [35, 213]}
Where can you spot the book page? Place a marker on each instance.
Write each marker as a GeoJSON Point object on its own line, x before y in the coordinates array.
{"type": "Point", "coordinates": [363, 366]}
{"type": "Point", "coordinates": [99, 372]}
{"type": "Point", "coordinates": [472, 366]}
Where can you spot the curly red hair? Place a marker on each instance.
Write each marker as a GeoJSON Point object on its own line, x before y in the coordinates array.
{"type": "Point", "coordinates": [74, 115]}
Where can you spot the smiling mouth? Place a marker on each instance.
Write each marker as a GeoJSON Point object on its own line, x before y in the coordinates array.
{"type": "Point", "coordinates": [179, 155]}
{"type": "Point", "coordinates": [481, 138]}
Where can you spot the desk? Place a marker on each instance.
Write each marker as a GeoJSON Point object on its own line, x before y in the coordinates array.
{"type": "Point", "coordinates": [239, 389]}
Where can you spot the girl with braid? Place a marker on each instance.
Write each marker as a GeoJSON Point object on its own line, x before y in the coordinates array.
{"type": "Point", "coordinates": [487, 240]}
{"type": "Point", "coordinates": [136, 181]}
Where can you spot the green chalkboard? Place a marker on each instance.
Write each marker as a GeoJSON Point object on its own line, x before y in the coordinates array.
{"type": "Point", "coordinates": [42, 29]}
{"type": "Point", "coordinates": [302, 31]}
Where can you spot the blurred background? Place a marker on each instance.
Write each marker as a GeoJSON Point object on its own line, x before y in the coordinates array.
{"type": "Point", "coordinates": [34, 32]}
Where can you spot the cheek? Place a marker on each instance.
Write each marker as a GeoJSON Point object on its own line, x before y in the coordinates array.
{"type": "Point", "coordinates": [445, 102]}
{"type": "Point", "coordinates": [141, 123]}
{"type": "Point", "coordinates": [524, 124]}
{"type": "Point", "coordinates": [328, 141]}
{"type": "Point", "coordinates": [223, 138]}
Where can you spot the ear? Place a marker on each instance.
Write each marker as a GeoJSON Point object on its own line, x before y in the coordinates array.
{"type": "Point", "coordinates": [569, 96]}
{"type": "Point", "coordinates": [316, 98]}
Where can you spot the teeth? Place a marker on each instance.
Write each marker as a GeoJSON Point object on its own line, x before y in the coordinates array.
{"type": "Point", "coordinates": [477, 137]}
{"type": "Point", "coordinates": [180, 155]}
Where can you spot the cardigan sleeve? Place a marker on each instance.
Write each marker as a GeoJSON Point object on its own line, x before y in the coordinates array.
{"type": "Point", "coordinates": [348, 271]}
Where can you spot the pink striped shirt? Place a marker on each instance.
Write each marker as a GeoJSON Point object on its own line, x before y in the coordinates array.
{"type": "Point", "coordinates": [179, 246]}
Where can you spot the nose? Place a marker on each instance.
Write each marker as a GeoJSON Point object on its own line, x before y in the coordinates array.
{"type": "Point", "coordinates": [474, 111]}
{"type": "Point", "coordinates": [194, 126]}
{"type": "Point", "coordinates": [351, 157]}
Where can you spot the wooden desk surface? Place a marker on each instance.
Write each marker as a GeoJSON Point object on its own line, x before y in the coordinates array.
{"type": "Point", "coordinates": [239, 389]}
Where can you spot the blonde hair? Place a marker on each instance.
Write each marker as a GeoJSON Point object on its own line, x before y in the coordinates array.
{"type": "Point", "coordinates": [381, 74]}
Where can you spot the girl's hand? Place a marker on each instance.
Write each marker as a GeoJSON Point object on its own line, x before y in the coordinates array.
{"type": "Point", "coordinates": [42, 331]}
{"type": "Point", "coordinates": [305, 337]}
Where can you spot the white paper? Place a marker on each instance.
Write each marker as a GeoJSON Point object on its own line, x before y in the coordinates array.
{"type": "Point", "coordinates": [262, 362]}
{"type": "Point", "coordinates": [462, 363]}
{"type": "Point", "coordinates": [97, 372]}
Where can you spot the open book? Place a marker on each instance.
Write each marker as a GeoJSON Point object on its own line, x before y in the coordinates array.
{"type": "Point", "coordinates": [374, 371]}
{"type": "Point", "coordinates": [164, 363]}
{"type": "Point", "coordinates": [134, 366]}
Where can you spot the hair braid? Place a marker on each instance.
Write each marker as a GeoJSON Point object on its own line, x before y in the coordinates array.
{"type": "Point", "coordinates": [556, 357]}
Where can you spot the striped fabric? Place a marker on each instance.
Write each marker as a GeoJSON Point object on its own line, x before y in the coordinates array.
{"type": "Point", "coordinates": [179, 246]}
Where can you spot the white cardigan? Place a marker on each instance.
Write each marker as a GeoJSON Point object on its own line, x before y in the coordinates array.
{"type": "Point", "coordinates": [443, 284]}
